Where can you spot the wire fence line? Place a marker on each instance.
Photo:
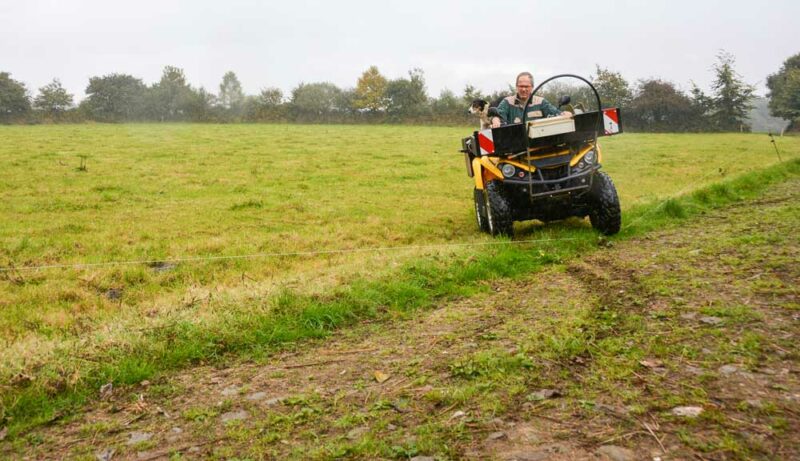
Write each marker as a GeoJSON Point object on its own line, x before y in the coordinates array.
{"type": "Point", "coordinates": [278, 254]}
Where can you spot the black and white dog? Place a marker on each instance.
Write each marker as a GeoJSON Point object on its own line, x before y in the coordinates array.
{"type": "Point", "coordinates": [484, 111]}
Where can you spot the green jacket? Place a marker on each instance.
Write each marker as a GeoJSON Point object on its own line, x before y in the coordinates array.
{"type": "Point", "coordinates": [510, 109]}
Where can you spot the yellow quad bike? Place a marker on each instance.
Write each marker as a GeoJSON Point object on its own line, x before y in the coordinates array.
{"type": "Point", "coordinates": [546, 169]}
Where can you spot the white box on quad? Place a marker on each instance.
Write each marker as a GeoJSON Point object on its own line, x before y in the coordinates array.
{"type": "Point", "coordinates": [550, 127]}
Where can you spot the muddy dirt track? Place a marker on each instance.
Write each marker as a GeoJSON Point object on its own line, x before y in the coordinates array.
{"type": "Point", "coordinates": [680, 344]}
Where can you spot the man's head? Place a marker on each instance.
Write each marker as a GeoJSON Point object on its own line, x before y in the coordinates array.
{"type": "Point", "coordinates": [524, 85]}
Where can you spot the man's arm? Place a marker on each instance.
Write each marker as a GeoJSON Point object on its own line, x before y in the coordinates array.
{"type": "Point", "coordinates": [502, 109]}
{"type": "Point", "coordinates": [549, 110]}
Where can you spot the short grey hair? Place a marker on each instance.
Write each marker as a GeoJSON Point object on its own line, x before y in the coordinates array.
{"type": "Point", "coordinates": [524, 74]}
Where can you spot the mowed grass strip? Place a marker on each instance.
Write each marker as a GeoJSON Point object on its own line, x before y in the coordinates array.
{"type": "Point", "coordinates": [71, 331]}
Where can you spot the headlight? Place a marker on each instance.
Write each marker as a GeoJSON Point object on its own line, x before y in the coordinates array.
{"type": "Point", "coordinates": [589, 157]}
{"type": "Point", "coordinates": [508, 170]}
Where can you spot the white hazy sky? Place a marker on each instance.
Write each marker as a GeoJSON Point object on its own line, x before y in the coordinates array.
{"type": "Point", "coordinates": [485, 43]}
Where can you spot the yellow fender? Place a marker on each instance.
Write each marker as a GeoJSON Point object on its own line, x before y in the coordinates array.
{"type": "Point", "coordinates": [484, 171]}
{"type": "Point", "coordinates": [583, 152]}
{"type": "Point", "coordinates": [520, 165]}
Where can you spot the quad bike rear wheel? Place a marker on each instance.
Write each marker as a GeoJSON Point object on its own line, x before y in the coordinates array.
{"type": "Point", "coordinates": [480, 210]}
{"type": "Point", "coordinates": [605, 214]}
{"type": "Point", "coordinates": [498, 211]}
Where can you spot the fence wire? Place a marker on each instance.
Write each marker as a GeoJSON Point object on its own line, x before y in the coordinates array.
{"type": "Point", "coordinates": [277, 254]}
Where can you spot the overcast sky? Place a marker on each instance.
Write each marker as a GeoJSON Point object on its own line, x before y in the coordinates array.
{"type": "Point", "coordinates": [485, 43]}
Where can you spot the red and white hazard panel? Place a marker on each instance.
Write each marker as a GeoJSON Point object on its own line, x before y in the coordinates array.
{"type": "Point", "coordinates": [611, 120]}
{"type": "Point", "coordinates": [486, 142]}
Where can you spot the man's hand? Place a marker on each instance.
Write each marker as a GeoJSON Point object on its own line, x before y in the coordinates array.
{"type": "Point", "coordinates": [566, 114]}
{"type": "Point", "coordinates": [496, 122]}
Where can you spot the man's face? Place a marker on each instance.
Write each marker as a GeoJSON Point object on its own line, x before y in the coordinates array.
{"type": "Point", "coordinates": [524, 87]}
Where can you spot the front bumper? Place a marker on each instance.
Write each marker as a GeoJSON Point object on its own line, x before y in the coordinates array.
{"type": "Point", "coordinates": [551, 182]}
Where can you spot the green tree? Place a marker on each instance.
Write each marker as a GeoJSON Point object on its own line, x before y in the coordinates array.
{"type": "Point", "coordinates": [200, 106]}
{"type": "Point", "coordinates": [14, 100]}
{"type": "Point", "coordinates": [784, 92]}
{"type": "Point", "coordinates": [470, 94]}
{"type": "Point", "coordinates": [703, 106]}
{"type": "Point", "coordinates": [315, 102]}
{"type": "Point", "coordinates": [613, 88]}
{"type": "Point", "coordinates": [231, 96]}
{"type": "Point", "coordinates": [172, 97]}
{"type": "Point", "coordinates": [579, 93]}
{"type": "Point", "coordinates": [448, 108]}
{"type": "Point", "coordinates": [498, 95]}
{"type": "Point", "coordinates": [271, 97]}
{"type": "Point", "coordinates": [53, 99]}
{"type": "Point", "coordinates": [267, 106]}
{"type": "Point", "coordinates": [406, 98]}
{"type": "Point", "coordinates": [732, 96]}
{"type": "Point", "coordinates": [659, 106]}
{"type": "Point", "coordinates": [345, 104]}
{"type": "Point", "coordinates": [114, 98]}
{"type": "Point", "coordinates": [371, 90]}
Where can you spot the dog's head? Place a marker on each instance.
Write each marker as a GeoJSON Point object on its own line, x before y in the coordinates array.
{"type": "Point", "coordinates": [479, 106]}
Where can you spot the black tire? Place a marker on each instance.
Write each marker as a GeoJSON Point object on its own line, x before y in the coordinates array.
{"type": "Point", "coordinates": [605, 214]}
{"type": "Point", "coordinates": [480, 210]}
{"type": "Point", "coordinates": [498, 212]}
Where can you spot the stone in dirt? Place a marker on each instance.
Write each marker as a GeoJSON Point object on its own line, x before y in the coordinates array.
{"type": "Point", "coordinates": [728, 369]}
{"type": "Point", "coordinates": [104, 455]}
{"type": "Point", "coordinates": [711, 320]}
{"type": "Point", "coordinates": [230, 390]}
{"type": "Point", "coordinates": [543, 394]}
{"type": "Point", "coordinates": [175, 434]}
{"type": "Point", "coordinates": [356, 433]}
{"type": "Point", "coordinates": [755, 403]}
{"type": "Point", "coordinates": [615, 453]}
{"type": "Point", "coordinates": [423, 458]}
{"type": "Point", "coordinates": [106, 390]}
{"type": "Point", "coordinates": [496, 436]}
{"type": "Point", "coordinates": [234, 416]}
{"type": "Point", "coordinates": [651, 363]}
{"type": "Point", "coordinates": [693, 370]}
{"type": "Point", "coordinates": [256, 396]}
{"type": "Point", "coordinates": [539, 455]}
{"type": "Point", "coordinates": [137, 437]}
{"type": "Point", "coordinates": [458, 414]}
{"type": "Point", "coordinates": [380, 376]}
{"type": "Point", "coordinates": [689, 412]}
{"type": "Point", "coordinates": [613, 409]}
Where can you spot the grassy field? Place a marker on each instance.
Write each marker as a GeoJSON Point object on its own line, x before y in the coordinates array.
{"type": "Point", "coordinates": [97, 194]}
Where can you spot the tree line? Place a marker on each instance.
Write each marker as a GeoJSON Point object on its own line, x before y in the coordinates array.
{"type": "Point", "coordinates": [648, 105]}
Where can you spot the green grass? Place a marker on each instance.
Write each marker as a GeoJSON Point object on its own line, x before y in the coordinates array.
{"type": "Point", "coordinates": [154, 192]}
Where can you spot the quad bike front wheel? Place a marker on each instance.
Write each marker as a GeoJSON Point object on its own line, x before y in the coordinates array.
{"type": "Point", "coordinates": [605, 214]}
{"type": "Point", "coordinates": [480, 210]}
{"type": "Point", "coordinates": [498, 211]}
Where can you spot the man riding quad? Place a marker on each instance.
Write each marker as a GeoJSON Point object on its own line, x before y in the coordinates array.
{"type": "Point", "coordinates": [539, 162]}
{"type": "Point", "coordinates": [511, 108]}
